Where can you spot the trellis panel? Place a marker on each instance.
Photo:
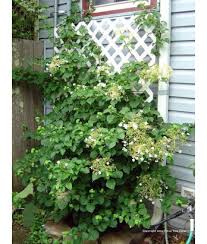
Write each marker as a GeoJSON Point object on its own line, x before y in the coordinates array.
{"type": "Point", "coordinates": [106, 33]}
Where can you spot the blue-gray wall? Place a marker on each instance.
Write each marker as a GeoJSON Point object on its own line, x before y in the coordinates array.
{"type": "Point", "coordinates": [182, 83]}
{"type": "Point", "coordinates": [46, 35]}
{"type": "Point", "coordinates": [182, 88]}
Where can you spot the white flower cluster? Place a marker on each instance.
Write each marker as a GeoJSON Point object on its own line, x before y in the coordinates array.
{"type": "Point", "coordinates": [56, 63]}
{"type": "Point", "coordinates": [99, 87]}
{"type": "Point", "coordinates": [102, 166]}
{"type": "Point", "coordinates": [165, 72]}
{"type": "Point", "coordinates": [104, 69]}
{"type": "Point", "coordinates": [79, 86]}
{"type": "Point", "coordinates": [115, 92]}
{"type": "Point", "coordinates": [95, 136]}
{"type": "Point", "coordinates": [150, 188]}
{"type": "Point", "coordinates": [156, 73]}
{"type": "Point", "coordinates": [137, 143]}
{"type": "Point", "coordinates": [101, 84]}
{"type": "Point", "coordinates": [143, 148]}
{"type": "Point", "coordinates": [62, 163]}
{"type": "Point", "coordinates": [90, 141]}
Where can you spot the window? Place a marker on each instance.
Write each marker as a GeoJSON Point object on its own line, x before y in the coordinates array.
{"type": "Point", "coordinates": [105, 7]}
{"type": "Point", "coordinates": [100, 2]}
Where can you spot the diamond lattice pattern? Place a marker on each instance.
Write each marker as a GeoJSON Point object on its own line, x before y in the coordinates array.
{"type": "Point", "coordinates": [137, 44]}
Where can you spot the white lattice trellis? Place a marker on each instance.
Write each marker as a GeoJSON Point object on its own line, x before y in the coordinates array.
{"type": "Point", "coordinates": [105, 32]}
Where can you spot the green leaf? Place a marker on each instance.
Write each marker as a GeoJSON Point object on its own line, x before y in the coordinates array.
{"type": "Point", "coordinates": [85, 170]}
{"type": "Point", "coordinates": [100, 199]}
{"type": "Point", "coordinates": [110, 119]}
{"type": "Point", "coordinates": [90, 208]}
{"type": "Point", "coordinates": [96, 177]}
{"type": "Point", "coordinates": [26, 192]}
{"type": "Point", "coordinates": [85, 235]}
{"type": "Point", "coordinates": [134, 103]}
{"type": "Point", "coordinates": [69, 186]}
{"type": "Point", "coordinates": [111, 184]}
{"type": "Point", "coordinates": [118, 174]}
{"type": "Point", "coordinates": [93, 154]}
{"type": "Point", "coordinates": [126, 169]}
{"type": "Point", "coordinates": [90, 100]}
{"type": "Point", "coordinates": [29, 214]}
{"type": "Point", "coordinates": [62, 202]}
{"type": "Point", "coordinates": [120, 133]}
{"type": "Point", "coordinates": [124, 110]}
{"type": "Point", "coordinates": [62, 151]}
{"type": "Point", "coordinates": [93, 235]}
{"type": "Point", "coordinates": [142, 211]}
{"type": "Point", "coordinates": [41, 188]}
{"type": "Point", "coordinates": [111, 144]}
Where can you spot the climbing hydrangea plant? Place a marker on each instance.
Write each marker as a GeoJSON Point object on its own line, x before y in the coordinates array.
{"type": "Point", "coordinates": [101, 152]}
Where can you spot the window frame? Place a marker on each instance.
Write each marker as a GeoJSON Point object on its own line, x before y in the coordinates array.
{"type": "Point", "coordinates": [115, 8]}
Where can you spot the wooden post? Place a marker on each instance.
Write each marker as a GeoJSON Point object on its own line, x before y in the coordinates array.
{"type": "Point", "coordinates": [27, 100]}
{"type": "Point", "coordinates": [163, 89]}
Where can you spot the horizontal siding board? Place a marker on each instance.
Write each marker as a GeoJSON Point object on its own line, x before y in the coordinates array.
{"type": "Point", "coordinates": [192, 137]}
{"type": "Point", "coordinates": [183, 76]}
{"type": "Point", "coordinates": [49, 12]}
{"type": "Point", "coordinates": [184, 160]}
{"type": "Point", "coordinates": [181, 183]}
{"type": "Point", "coordinates": [47, 2]}
{"type": "Point", "coordinates": [183, 48]}
{"type": "Point", "coordinates": [181, 117]}
{"type": "Point", "coordinates": [50, 21]}
{"type": "Point", "coordinates": [61, 18]}
{"type": "Point", "coordinates": [182, 5]}
{"type": "Point", "coordinates": [181, 104]}
{"type": "Point", "coordinates": [63, 1]}
{"type": "Point", "coordinates": [48, 43]}
{"type": "Point", "coordinates": [183, 19]}
{"type": "Point", "coordinates": [183, 62]}
{"type": "Point", "coordinates": [183, 173]}
{"type": "Point", "coordinates": [49, 52]}
{"type": "Point", "coordinates": [51, 2]}
{"type": "Point", "coordinates": [182, 90]}
{"type": "Point", "coordinates": [188, 148]}
{"type": "Point", "coordinates": [45, 34]}
{"type": "Point", "coordinates": [183, 34]}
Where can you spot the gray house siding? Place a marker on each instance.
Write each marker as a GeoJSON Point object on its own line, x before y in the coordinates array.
{"type": "Point", "coordinates": [182, 84]}
{"type": "Point", "coordinates": [47, 35]}
{"type": "Point", "coordinates": [182, 90]}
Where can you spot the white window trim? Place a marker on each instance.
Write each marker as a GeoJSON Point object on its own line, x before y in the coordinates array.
{"type": "Point", "coordinates": [118, 6]}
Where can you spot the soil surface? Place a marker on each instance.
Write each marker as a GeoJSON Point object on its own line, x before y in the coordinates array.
{"type": "Point", "coordinates": [19, 234]}
{"type": "Point", "coordinates": [112, 237]}
{"type": "Point", "coordinates": [173, 238]}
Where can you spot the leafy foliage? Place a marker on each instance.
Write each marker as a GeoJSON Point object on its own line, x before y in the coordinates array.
{"type": "Point", "coordinates": [35, 233]}
{"type": "Point", "coordinates": [25, 14]}
{"type": "Point", "coordinates": [102, 147]}
{"type": "Point", "coordinates": [151, 18]}
{"type": "Point", "coordinates": [29, 76]}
